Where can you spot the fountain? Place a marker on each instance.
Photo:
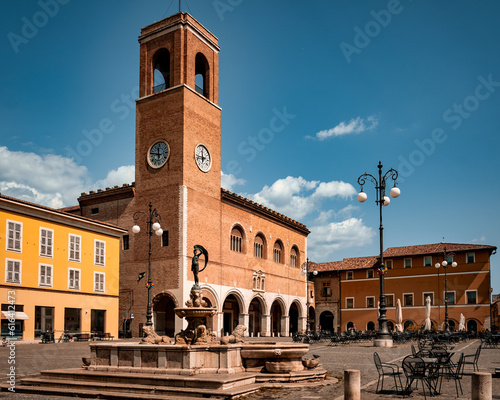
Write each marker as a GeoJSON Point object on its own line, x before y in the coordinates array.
{"type": "Point", "coordinates": [226, 369]}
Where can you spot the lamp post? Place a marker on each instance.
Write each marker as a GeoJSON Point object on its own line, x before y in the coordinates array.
{"type": "Point", "coordinates": [383, 338]}
{"type": "Point", "coordinates": [305, 271]}
{"type": "Point", "coordinates": [445, 265]}
{"type": "Point", "coordinates": [153, 220]}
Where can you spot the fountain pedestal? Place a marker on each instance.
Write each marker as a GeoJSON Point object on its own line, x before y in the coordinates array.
{"type": "Point", "coordinates": [195, 313]}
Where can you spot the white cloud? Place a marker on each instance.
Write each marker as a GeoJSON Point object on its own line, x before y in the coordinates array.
{"type": "Point", "coordinates": [298, 197]}
{"type": "Point", "coordinates": [303, 200]}
{"type": "Point", "coordinates": [124, 174]}
{"type": "Point", "coordinates": [51, 180]}
{"type": "Point", "coordinates": [326, 239]}
{"type": "Point", "coordinates": [229, 181]}
{"type": "Point", "coordinates": [482, 239]}
{"type": "Point", "coordinates": [356, 125]}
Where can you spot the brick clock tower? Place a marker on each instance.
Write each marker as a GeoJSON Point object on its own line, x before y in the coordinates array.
{"type": "Point", "coordinates": [177, 152]}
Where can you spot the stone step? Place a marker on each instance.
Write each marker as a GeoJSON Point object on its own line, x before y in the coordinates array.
{"type": "Point", "coordinates": [206, 381]}
{"type": "Point", "coordinates": [137, 385]}
{"type": "Point", "coordinates": [94, 393]}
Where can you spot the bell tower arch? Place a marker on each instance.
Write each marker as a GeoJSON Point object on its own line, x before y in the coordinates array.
{"type": "Point", "coordinates": [175, 53]}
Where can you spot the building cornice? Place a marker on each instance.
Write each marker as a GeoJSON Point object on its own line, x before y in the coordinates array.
{"type": "Point", "coordinates": [49, 214]}
{"type": "Point", "coordinates": [242, 202]}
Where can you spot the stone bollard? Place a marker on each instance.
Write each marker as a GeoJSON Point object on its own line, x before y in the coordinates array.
{"type": "Point", "coordinates": [481, 386]}
{"type": "Point", "coordinates": [352, 384]}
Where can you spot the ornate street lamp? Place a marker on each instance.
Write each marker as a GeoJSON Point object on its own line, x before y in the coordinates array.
{"type": "Point", "coordinates": [305, 271]}
{"type": "Point", "coordinates": [383, 338]}
{"type": "Point", "coordinates": [445, 265]}
{"type": "Point", "coordinates": [153, 220]}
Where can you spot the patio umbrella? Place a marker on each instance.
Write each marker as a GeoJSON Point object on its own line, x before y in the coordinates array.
{"type": "Point", "coordinates": [399, 317]}
{"type": "Point", "coordinates": [428, 323]}
{"type": "Point", "coordinates": [461, 325]}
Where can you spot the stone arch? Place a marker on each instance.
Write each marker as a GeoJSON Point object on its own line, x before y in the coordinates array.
{"type": "Point", "coordinates": [211, 294]}
{"type": "Point", "coordinates": [232, 310]}
{"type": "Point", "coordinates": [163, 305]}
{"type": "Point", "coordinates": [408, 324]}
{"type": "Point", "coordinates": [472, 325]}
{"type": "Point", "coordinates": [294, 313]}
{"type": "Point", "coordinates": [326, 321]}
{"type": "Point", "coordinates": [161, 70]}
{"type": "Point", "coordinates": [202, 68]}
{"type": "Point", "coordinates": [257, 310]}
{"type": "Point", "coordinates": [278, 312]}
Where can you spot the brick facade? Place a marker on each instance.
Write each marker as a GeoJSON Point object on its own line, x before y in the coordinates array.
{"type": "Point", "coordinates": [193, 208]}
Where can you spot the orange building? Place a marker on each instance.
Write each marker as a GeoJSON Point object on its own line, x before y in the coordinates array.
{"type": "Point", "coordinates": [411, 278]}
{"type": "Point", "coordinates": [254, 275]}
{"type": "Point", "coordinates": [61, 272]}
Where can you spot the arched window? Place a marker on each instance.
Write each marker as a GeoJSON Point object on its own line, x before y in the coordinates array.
{"type": "Point", "coordinates": [259, 246]}
{"type": "Point", "coordinates": [200, 79]}
{"type": "Point", "coordinates": [294, 257]}
{"type": "Point", "coordinates": [161, 64]}
{"type": "Point", "coordinates": [278, 252]}
{"type": "Point", "coordinates": [236, 239]}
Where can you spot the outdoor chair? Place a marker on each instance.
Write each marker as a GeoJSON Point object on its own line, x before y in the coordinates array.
{"type": "Point", "coordinates": [416, 369]}
{"type": "Point", "coordinates": [387, 369]}
{"type": "Point", "coordinates": [452, 371]}
{"type": "Point", "coordinates": [472, 359]}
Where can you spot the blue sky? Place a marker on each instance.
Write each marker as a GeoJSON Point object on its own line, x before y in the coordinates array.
{"type": "Point", "coordinates": [414, 84]}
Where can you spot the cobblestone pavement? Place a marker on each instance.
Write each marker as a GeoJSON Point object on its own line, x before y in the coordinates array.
{"type": "Point", "coordinates": [30, 358]}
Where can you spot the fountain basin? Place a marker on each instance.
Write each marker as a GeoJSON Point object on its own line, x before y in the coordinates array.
{"type": "Point", "coordinates": [273, 357]}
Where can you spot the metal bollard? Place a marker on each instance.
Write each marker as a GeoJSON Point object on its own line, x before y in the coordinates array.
{"type": "Point", "coordinates": [481, 386]}
{"type": "Point", "coordinates": [352, 384]}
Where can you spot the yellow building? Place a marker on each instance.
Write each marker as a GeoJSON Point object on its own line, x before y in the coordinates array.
{"type": "Point", "coordinates": [61, 272]}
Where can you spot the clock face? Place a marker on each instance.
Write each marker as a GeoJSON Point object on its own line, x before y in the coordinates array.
{"type": "Point", "coordinates": [202, 157]}
{"type": "Point", "coordinates": [158, 154]}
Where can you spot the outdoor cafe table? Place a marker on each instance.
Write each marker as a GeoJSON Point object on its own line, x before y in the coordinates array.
{"type": "Point", "coordinates": [432, 365]}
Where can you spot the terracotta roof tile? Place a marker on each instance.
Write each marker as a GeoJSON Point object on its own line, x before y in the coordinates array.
{"type": "Point", "coordinates": [435, 248]}
{"type": "Point", "coordinates": [369, 262]}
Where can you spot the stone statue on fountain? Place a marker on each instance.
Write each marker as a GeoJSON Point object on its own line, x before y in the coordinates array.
{"type": "Point", "coordinates": [196, 310]}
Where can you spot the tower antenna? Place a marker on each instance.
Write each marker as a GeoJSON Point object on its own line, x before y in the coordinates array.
{"type": "Point", "coordinates": [180, 5]}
